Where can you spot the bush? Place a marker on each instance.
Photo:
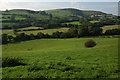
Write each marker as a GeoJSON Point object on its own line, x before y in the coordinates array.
{"type": "Point", "coordinates": [90, 43]}
{"type": "Point", "coordinates": [9, 62]}
{"type": "Point", "coordinates": [68, 58]}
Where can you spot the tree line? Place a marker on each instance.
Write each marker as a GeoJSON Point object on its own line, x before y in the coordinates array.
{"type": "Point", "coordinates": [81, 31]}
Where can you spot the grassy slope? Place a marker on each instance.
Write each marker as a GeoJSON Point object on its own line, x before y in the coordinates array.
{"type": "Point", "coordinates": [26, 12]}
{"type": "Point", "coordinates": [100, 61]}
{"type": "Point", "coordinates": [74, 23]}
{"type": "Point", "coordinates": [64, 12]}
{"type": "Point", "coordinates": [49, 31]}
{"type": "Point", "coordinates": [110, 27]}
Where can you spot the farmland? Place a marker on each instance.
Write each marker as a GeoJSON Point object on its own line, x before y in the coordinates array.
{"type": "Point", "coordinates": [46, 31]}
{"type": "Point", "coordinates": [50, 31]}
{"type": "Point", "coordinates": [52, 44]}
{"type": "Point", "coordinates": [64, 58]}
{"type": "Point", "coordinates": [110, 27]}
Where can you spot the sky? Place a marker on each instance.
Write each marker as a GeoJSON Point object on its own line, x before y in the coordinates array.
{"type": "Point", "coordinates": [107, 6]}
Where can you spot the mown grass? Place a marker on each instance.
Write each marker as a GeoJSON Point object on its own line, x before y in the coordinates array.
{"type": "Point", "coordinates": [63, 58]}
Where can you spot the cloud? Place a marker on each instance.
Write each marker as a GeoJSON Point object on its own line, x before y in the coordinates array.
{"type": "Point", "coordinates": [59, 0]}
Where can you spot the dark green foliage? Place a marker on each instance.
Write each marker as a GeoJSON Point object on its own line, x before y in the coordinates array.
{"type": "Point", "coordinates": [40, 35]}
{"type": "Point", "coordinates": [65, 35]}
{"type": "Point", "coordinates": [113, 32]}
{"type": "Point", "coordinates": [9, 62]}
{"type": "Point", "coordinates": [56, 34]}
{"type": "Point", "coordinates": [32, 37]}
{"type": "Point", "coordinates": [21, 37]}
{"type": "Point", "coordinates": [73, 32]}
{"type": "Point", "coordinates": [90, 43]}
{"type": "Point", "coordinates": [10, 37]}
{"type": "Point", "coordinates": [4, 38]}
{"type": "Point", "coordinates": [94, 31]}
{"type": "Point", "coordinates": [83, 31]}
{"type": "Point", "coordinates": [68, 58]}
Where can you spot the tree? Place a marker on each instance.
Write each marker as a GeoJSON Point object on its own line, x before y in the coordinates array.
{"type": "Point", "coordinates": [113, 32]}
{"type": "Point", "coordinates": [10, 37]}
{"type": "Point", "coordinates": [4, 38]}
{"type": "Point", "coordinates": [73, 32]}
{"type": "Point", "coordinates": [83, 31]}
{"type": "Point", "coordinates": [65, 35]}
{"type": "Point", "coordinates": [40, 35]}
{"type": "Point", "coordinates": [21, 37]}
{"type": "Point", "coordinates": [56, 34]}
{"type": "Point", "coordinates": [32, 37]}
{"type": "Point", "coordinates": [95, 31]}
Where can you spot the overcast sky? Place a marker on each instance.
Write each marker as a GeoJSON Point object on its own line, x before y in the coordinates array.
{"type": "Point", "coordinates": [107, 6]}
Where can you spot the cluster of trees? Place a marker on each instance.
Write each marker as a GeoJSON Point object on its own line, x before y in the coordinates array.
{"type": "Point", "coordinates": [71, 33]}
{"type": "Point", "coordinates": [113, 32]}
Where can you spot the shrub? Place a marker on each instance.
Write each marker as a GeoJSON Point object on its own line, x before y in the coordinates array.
{"type": "Point", "coordinates": [9, 62]}
{"type": "Point", "coordinates": [90, 43]}
{"type": "Point", "coordinates": [68, 58]}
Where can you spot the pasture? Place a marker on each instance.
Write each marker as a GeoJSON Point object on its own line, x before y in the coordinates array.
{"type": "Point", "coordinates": [46, 31]}
{"type": "Point", "coordinates": [63, 58]}
{"type": "Point", "coordinates": [74, 23]}
{"type": "Point", "coordinates": [110, 27]}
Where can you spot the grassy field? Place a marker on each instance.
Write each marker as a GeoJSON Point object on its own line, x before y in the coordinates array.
{"type": "Point", "coordinates": [31, 27]}
{"type": "Point", "coordinates": [110, 27]}
{"type": "Point", "coordinates": [49, 31]}
{"type": "Point", "coordinates": [63, 58]}
{"type": "Point", "coordinates": [74, 23]}
{"type": "Point", "coordinates": [94, 21]}
{"type": "Point", "coordinates": [78, 23]}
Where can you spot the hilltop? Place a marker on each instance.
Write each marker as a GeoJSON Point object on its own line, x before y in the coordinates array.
{"type": "Point", "coordinates": [21, 18]}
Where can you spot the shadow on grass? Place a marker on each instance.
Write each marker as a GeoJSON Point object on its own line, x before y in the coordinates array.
{"type": "Point", "coordinates": [12, 61]}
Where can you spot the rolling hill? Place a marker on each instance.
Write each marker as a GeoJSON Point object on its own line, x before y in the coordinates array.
{"type": "Point", "coordinates": [67, 12]}
{"type": "Point", "coordinates": [24, 18]}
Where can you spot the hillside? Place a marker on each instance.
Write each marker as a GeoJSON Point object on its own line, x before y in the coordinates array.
{"type": "Point", "coordinates": [67, 12]}
{"type": "Point", "coordinates": [73, 12]}
{"type": "Point", "coordinates": [63, 58]}
{"type": "Point", "coordinates": [21, 18]}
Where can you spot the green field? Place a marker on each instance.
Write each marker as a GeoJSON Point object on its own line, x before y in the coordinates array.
{"type": "Point", "coordinates": [49, 31]}
{"type": "Point", "coordinates": [110, 27]}
{"type": "Point", "coordinates": [94, 21]}
{"type": "Point", "coordinates": [74, 23]}
{"type": "Point", "coordinates": [78, 23]}
{"type": "Point", "coordinates": [31, 27]}
{"type": "Point", "coordinates": [63, 58]}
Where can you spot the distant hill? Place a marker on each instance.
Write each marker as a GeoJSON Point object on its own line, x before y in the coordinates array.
{"type": "Point", "coordinates": [73, 12]}
{"type": "Point", "coordinates": [67, 12]}
{"type": "Point", "coordinates": [24, 18]}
